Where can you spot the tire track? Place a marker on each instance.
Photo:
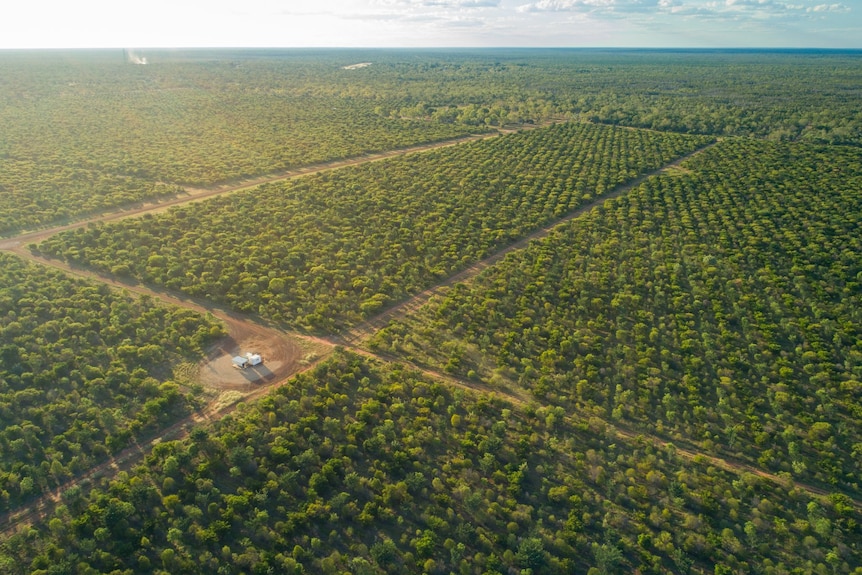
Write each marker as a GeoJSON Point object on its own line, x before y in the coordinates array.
{"type": "Point", "coordinates": [240, 326]}
{"type": "Point", "coordinates": [197, 194]}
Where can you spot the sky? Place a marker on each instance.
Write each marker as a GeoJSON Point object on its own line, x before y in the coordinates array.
{"type": "Point", "coordinates": [431, 23]}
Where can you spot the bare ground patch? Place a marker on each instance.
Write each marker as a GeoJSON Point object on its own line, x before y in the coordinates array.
{"type": "Point", "coordinates": [280, 354]}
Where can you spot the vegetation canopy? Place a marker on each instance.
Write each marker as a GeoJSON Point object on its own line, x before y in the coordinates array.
{"type": "Point", "coordinates": [603, 318]}
{"type": "Point", "coordinates": [326, 251]}
{"type": "Point", "coordinates": [372, 468]}
{"type": "Point", "coordinates": [84, 371]}
{"type": "Point", "coordinates": [719, 305]}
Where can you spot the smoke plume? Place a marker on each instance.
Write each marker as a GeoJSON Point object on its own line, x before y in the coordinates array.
{"type": "Point", "coordinates": [135, 59]}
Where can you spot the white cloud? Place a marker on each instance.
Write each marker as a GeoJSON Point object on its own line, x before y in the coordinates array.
{"type": "Point", "coordinates": [466, 23]}
{"type": "Point", "coordinates": [80, 23]}
{"type": "Point", "coordinates": [439, 3]}
{"type": "Point", "coordinates": [687, 6]}
{"type": "Point", "coordinates": [576, 5]}
{"type": "Point", "coordinates": [830, 8]}
{"type": "Point", "coordinates": [615, 8]}
{"type": "Point", "coordinates": [778, 6]}
{"type": "Point", "coordinates": [758, 5]}
{"type": "Point", "coordinates": [463, 3]}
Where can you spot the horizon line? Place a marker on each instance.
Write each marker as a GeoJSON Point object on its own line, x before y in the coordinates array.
{"type": "Point", "coordinates": [501, 47]}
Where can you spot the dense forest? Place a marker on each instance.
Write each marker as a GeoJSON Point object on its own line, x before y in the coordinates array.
{"type": "Point", "coordinates": [667, 383]}
{"type": "Point", "coordinates": [92, 128]}
{"type": "Point", "coordinates": [327, 251]}
{"type": "Point", "coordinates": [82, 374]}
{"type": "Point", "coordinates": [371, 469]}
{"type": "Point", "coordinates": [83, 135]}
{"type": "Point", "coordinates": [720, 305]}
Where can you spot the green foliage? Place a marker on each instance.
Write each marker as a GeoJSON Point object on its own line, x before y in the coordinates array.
{"type": "Point", "coordinates": [607, 557]}
{"type": "Point", "coordinates": [718, 305]}
{"type": "Point", "coordinates": [326, 251]}
{"type": "Point", "coordinates": [375, 430]}
{"type": "Point", "coordinates": [81, 374]}
{"type": "Point", "coordinates": [38, 193]}
{"type": "Point", "coordinates": [85, 132]}
{"type": "Point", "coordinates": [779, 96]}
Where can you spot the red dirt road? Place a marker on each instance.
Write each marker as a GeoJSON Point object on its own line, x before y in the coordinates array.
{"type": "Point", "coordinates": [282, 352]}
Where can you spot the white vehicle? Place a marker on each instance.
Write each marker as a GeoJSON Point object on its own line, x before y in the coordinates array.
{"type": "Point", "coordinates": [247, 360]}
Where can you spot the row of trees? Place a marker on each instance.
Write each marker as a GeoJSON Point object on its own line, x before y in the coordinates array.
{"type": "Point", "coordinates": [82, 374]}
{"type": "Point", "coordinates": [326, 251]}
{"type": "Point", "coordinates": [375, 469]}
{"type": "Point", "coordinates": [719, 305]}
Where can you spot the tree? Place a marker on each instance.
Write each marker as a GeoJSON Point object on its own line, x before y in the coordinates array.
{"type": "Point", "coordinates": [607, 556]}
{"type": "Point", "coordinates": [531, 553]}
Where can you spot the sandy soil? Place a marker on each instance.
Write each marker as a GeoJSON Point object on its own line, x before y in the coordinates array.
{"type": "Point", "coordinates": [280, 358]}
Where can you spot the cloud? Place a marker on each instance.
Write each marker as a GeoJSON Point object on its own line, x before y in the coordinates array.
{"type": "Point", "coordinates": [466, 23]}
{"type": "Point", "coordinates": [667, 23]}
{"type": "Point", "coordinates": [462, 3]}
{"type": "Point", "coordinates": [705, 8]}
{"type": "Point", "coordinates": [767, 8]}
{"type": "Point", "coordinates": [456, 11]}
{"type": "Point", "coordinates": [602, 6]}
{"type": "Point", "coordinates": [759, 5]}
{"type": "Point", "coordinates": [439, 3]}
{"type": "Point", "coordinates": [442, 14]}
{"type": "Point", "coordinates": [393, 17]}
{"type": "Point", "coordinates": [829, 8]}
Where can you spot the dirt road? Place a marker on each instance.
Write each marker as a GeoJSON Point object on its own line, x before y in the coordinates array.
{"type": "Point", "coordinates": [287, 354]}
{"type": "Point", "coordinates": [360, 333]}
{"type": "Point", "coordinates": [284, 354]}
{"type": "Point", "coordinates": [198, 194]}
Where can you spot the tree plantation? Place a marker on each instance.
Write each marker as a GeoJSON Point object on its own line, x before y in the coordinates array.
{"type": "Point", "coordinates": [36, 194]}
{"type": "Point", "coordinates": [73, 125]}
{"type": "Point", "coordinates": [520, 312]}
{"type": "Point", "coordinates": [364, 468]}
{"type": "Point", "coordinates": [76, 121]}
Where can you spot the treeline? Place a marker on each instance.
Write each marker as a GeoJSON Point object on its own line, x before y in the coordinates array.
{"type": "Point", "coordinates": [84, 371]}
{"type": "Point", "coordinates": [797, 96]}
{"type": "Point", "coordinates": [326, 251]}
{"type": "Point", "coordinates": [374, 469]}
{"type": "Point", "coordinates": [719, 306]}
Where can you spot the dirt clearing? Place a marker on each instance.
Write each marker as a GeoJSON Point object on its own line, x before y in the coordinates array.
{"type": "Point", "coordinates": [279, 353]}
